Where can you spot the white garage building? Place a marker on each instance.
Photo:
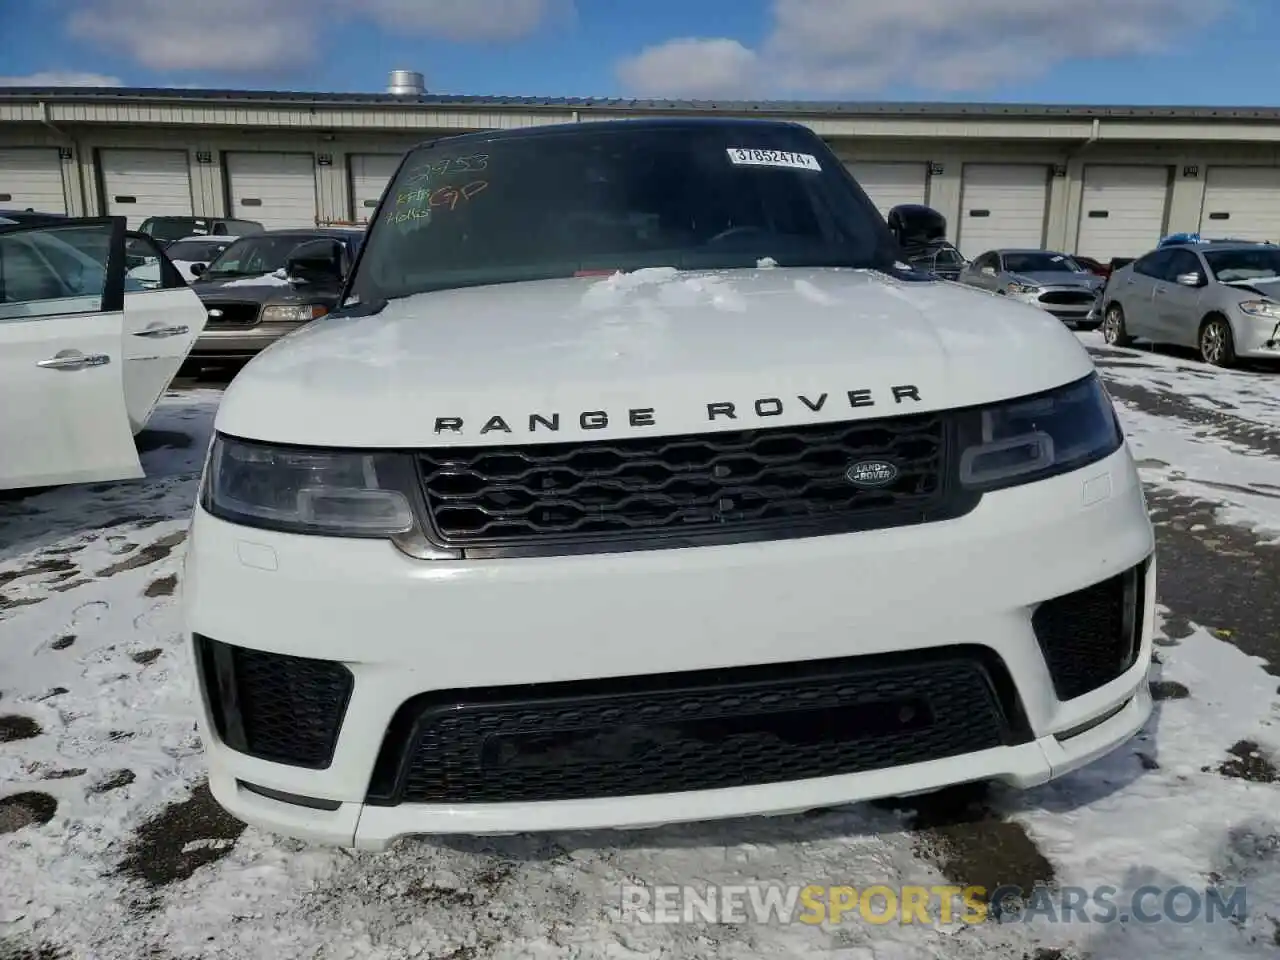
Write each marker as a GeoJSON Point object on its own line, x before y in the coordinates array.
{"type": "Point", "coordinates": [1099, 181]}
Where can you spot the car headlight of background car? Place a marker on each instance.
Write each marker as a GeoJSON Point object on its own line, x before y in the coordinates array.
{"type": "Point", "coordinates": [293, 312]}
{"type": "Point", "coordinates": [1261, 308]}
{"type": "Point", "coordinates": [351, 493]}
{"type": "Point", "coordinates": [1019, 288]}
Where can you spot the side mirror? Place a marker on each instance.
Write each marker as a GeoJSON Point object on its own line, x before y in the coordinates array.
{"type": "Point", "coordinates": [318, 269]}
{"type": "Point", "coordinates": [198, 268]}
{"type": "Point", "coordinates": [1189, 279]}
{"type": "Point", "coordinates": [315, 263]}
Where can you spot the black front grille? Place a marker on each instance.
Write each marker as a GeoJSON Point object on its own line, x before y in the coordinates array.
{"type": "Point", "coordinates": [274, 707]}
{"type": "Point", "coordinates": [1092, 636]}
{"type": "Point", "coordinates": [731, 486]}
{"type": "Point", "coordinates": [1068, 297]}
{"type": "Point", "coordinates": [702, 730]}
{"type": "Point", "coordinates": [234, 315]}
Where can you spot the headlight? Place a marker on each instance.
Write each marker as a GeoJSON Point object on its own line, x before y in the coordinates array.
{"type": "Point", "coordinates": [293, 313]}
{"type": "Point", "coordinates": [1261, 308]}
{"type": "Point", "coordinates": [337, 494]}
{"type": "Point", "coordinates": [1022, 288]}
{"type": "Point", "coordinates": [1037, 437]}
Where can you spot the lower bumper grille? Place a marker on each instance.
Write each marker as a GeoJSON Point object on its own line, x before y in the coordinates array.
{"type": "Point", "coordinates": [1094, 635]}
{"type": "Point", "coordinates": [274, 707]}
{"type": "Point", "coordinates": [696, 731]}
{"type": "Point", "coordinates": [1072, 298]}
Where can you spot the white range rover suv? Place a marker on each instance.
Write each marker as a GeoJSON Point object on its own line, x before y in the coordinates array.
{"type": "Point", "coordinates": [636, 480]}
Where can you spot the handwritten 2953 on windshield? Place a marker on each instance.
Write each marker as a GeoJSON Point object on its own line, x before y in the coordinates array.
{"type": "Point", "coordinates": [439, 168]}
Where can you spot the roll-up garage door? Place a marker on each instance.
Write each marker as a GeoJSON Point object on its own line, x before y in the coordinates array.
{"type": "Point", "coordinates": [370, 173]}
{"type": "Point", "coordinates": [1122, 210]}
{"type": "Point", "coordinates": [889, 184]}
{"type": "Point", "coordinates": [1002, 205]}
{"type": "Point", "coordinates": [1242, 203]}
{"type": "Point", "coordinates": [145, 183]}
{"type": "Point", "coordinates": [31, 178]}
{"type": "Point", "coordinates": [276, 189]}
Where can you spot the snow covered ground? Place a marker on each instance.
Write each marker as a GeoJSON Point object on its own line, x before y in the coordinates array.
{"type": "Point", "coordinates": [111, 849]}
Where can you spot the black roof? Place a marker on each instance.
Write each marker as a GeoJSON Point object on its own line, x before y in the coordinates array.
{"type": "Point", "coordinates": [568, 128]}
{"type": "Point", "coordinates": [934, 109]}
{"type": "Point", "coordinates": [306, 232]}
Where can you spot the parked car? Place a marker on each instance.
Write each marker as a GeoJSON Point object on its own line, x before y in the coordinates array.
{"type": "Point", "coordinates": [190, 255]}
{"type": "Point", "coordinates": [83, 357]}
{"type": "Point", "coordinates": [573, 517]}
{"type": "Point", "coordinates": [1051, 281]}
{"type": "Point", "coordinates": [1221, 298]}
{"type": "Point", "coordinates": [168, 229]}
{"type": "Point", "coordinates": [31, 216]}
{"type": "Point", "coordinates": [264, 286]}
{"type": "Point", "coordinates": [921, 231]}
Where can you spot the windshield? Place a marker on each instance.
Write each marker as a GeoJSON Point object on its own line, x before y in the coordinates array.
{"type": "Point", "coordinates": [166, 229]}
{"type": "Point", "coordinates": [619, 198]}
{"type": "Point", "coordinates": [254, 256]}
{"type": "Point", "coordinates": [195, 251]}
{"type": "Point", "coordinates": [1041, 262]}
{"type": "Point", "coordinates": [1260, 263]}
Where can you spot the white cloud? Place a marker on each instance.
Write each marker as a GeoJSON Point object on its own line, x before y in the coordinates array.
{"type": "Point", "coordinates": [837, 47]}
{"type": "Point", "coordinates": [60, 78]}
{"type": "Point", "coordinates": [277, 36]}
{"type": "Point", "coordinates": [705, 69]}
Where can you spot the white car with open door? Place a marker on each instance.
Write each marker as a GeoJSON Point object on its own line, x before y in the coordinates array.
{"type": "Point", "coordinates": [85, 354]}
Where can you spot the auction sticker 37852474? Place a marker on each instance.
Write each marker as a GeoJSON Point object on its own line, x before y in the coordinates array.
{"type": "Point", "coordinates": [744, 156]}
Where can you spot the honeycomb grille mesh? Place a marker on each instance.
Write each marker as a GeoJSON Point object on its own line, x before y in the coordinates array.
{"type": "Point", "coordinates": [762, 479]}
{"type": "Point", "coordinates": [664, 734]}
{"type": "Point", "coordinates": [1092, 636]}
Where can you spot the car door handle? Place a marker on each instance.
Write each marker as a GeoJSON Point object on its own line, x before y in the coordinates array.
{"type": "Point", "coordinates": [157, 333]}
{"type": "Point", "coordinates": [77, 362]}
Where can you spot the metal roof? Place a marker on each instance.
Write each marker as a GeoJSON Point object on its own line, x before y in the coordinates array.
{"type": "Point", "coordinates": [790, 107]}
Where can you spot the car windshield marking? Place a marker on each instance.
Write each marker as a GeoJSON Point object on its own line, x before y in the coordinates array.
{"type": "Point", "coordinates": [577, 203]}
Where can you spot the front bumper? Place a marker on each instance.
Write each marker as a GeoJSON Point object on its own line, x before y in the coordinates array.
{"type": "Point", "coordinates": [1257, 338]}
{"type": "Point", "coordinates": [239, 343]}
{"type": "Point", "coordinates": [1082, 315]}
{"type": "Point", "coordinates": [404, 627]}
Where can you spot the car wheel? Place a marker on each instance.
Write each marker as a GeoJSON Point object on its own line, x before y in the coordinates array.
{"type": "Point", "coordinates": [1217, 344]}
{"type": "Point", "coordinates": [1113, 328]}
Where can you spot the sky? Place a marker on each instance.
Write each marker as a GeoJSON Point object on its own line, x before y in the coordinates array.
{"type": "Point", "coordinates": [1190, 52]}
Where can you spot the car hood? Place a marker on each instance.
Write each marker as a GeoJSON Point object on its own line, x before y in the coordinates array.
{"type": "Point", "coordinates": [1059, 278]}
{"type": "Point", "coordinates": [1268, 287]}
{"type": "Point", "coordinates": [270, 287]}
{"type": "Point", "coordinates": [652, 351]}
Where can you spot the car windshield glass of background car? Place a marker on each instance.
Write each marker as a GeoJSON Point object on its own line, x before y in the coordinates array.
{"type": "Point", "coordinates": [1260, 263]}
{"type": "Point", "coordinates": [545, 206]}
{"type": "Point", "coordinates": [254, 256]}
{"type": "Point", "coordinates": [1037, 262]}
{"type": "Point", "coordinates": [195, 251]}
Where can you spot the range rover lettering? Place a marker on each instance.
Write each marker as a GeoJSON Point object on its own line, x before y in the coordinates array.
{"type": "Point", "coordinates": [635, 478]}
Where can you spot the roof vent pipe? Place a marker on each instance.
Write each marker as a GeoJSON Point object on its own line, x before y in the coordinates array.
{"type": "Point", "coordinates": [406, 83]}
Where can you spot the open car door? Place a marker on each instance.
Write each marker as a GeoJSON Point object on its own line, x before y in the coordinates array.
{"type": "Point", "coordinates": [162, 319]}
{"type": "Point", "coordinates": [62, 400]}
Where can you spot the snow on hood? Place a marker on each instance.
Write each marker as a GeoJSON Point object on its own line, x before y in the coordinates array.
{"type": "Point", "coordinates": [657, 339]}
{"type": "Point", "coordinates": [277, 278]}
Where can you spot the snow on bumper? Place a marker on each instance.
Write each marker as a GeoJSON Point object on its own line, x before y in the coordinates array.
{"type": "Point", "coordinates": [403, 626]}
